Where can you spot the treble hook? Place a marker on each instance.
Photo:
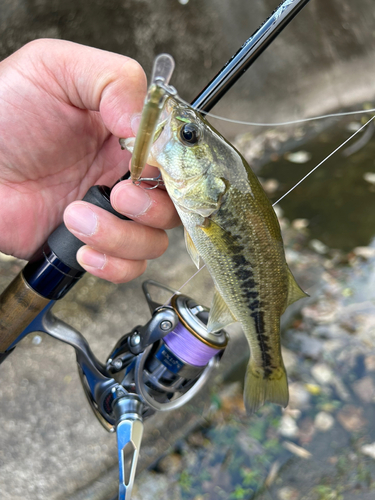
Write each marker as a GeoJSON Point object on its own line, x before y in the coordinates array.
{"type": "Point", "coordinates": [159, 181]}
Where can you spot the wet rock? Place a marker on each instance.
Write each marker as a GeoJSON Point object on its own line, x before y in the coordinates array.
{"type": "Point", "coordinates": [325, 311]}
{"type": "Point", "coordinates": [270, 185]}
{"type": "Point", "coordinates": [231, 400]}
{"type": "Point", "coordinates": [365, 389]}
{"type": "Point", "coordinates": [324, 421]}
{"type": "Point", "coordinates": [170, 464]}
{"type": "Point", "coordinates": [288, 493]}
{"type": "Point", "coordinates": [151, 486]}
{"type": "Point", "coordinates": [369, 177]}
{"type": "Point", "coordinates": [340, 388]}
{"type": "Point", "coordinates": [351, 418]}
{"type": "Point", "coordinates": [370, 363]}
{"type": "Point", "coordinates": [288, 427]}
{"type": "Point", "coordinates": [322, 373]}
{"type": "Point", "coordinates": [306, 431]}
{"type": "Point", "coordinates": [290, 359]}
{"type": "Point", "coordinates": [300, 224]}
{"type": "Point", "coordinates": [308, 346]}
{"type": "Point", "coordinates": [328, 331]}
{"type": "Point", "coordinates": [318, 246]}
{"type": "Point", "coordinates": [249, 445]}
{"type": "Point", "coordinates": [333, 346]}
{"type": "Point", "coordinates": [196, 439]}
{"type": "Point", "coordinates": [298, 157]}
{"type": "Point", "coordinates": [299, 397]}
{"type": "Point", "coordinates": [369, 450]}
{"type": "Point", "coordinates": [365, 252]}
{"type": "Point", "coordinates": [295, 414]}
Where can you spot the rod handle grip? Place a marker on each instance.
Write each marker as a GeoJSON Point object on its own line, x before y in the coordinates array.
{"type": "Point", "coordinates": [64, 244]}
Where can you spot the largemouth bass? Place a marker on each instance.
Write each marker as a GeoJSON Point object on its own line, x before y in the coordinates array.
{"type": "Point", "coordinates": [230, 223]}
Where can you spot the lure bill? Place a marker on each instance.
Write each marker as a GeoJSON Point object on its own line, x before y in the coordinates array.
{"type": "Point", "coordinates": [230, 224]}
{"type": "Point", "coordinates": [157, 93]}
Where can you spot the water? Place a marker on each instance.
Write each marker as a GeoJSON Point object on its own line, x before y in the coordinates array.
{"type": "Point", "coordinates": [336, 199]}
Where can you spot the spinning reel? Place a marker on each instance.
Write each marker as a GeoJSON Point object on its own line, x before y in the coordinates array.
{"type": "Point", "coordinates": [156, 367]}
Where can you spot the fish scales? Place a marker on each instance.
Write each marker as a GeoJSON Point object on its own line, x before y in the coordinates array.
{"type": "Point", "coordinates": [232, 226]}
{"type": "Point", "coordinates": [247, 273]}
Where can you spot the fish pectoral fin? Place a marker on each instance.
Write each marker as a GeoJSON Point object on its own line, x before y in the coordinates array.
{"type": "Point", "coordinates": [294, 291]}
{"type": "Point", "coordinates": [192, 251]}
{"type": "Point", "coordinates": [220, 315]}
{"type": "Point", "coordinates": [222, 240]}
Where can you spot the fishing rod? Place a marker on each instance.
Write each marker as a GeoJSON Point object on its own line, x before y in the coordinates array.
{"type": "Point", "coordinates": [149, 369]}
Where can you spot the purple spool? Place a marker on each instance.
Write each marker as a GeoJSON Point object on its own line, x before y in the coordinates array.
{"type": "Point", "coordinates": [188, 347]}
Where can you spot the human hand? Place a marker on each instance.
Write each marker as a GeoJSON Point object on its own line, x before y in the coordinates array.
{"type": "Point", "coordinates": [63, 108]}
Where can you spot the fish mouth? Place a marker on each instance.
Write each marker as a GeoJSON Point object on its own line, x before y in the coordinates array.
{"type": "Point", "coordinates": [159, 129]}
{"type": "Point", "coordinates": [157, 144]}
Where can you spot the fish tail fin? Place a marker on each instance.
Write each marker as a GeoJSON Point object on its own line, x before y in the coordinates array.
{"type": "Point", "coordinates": [261, 387]}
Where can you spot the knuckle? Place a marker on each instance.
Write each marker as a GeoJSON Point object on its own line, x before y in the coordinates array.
{"type": "Point", "coordinates": [135, 71]}
{"type": "Point", "coordinates": [163, 243]}
{"type": "Point", "coordinates": [129, 270]}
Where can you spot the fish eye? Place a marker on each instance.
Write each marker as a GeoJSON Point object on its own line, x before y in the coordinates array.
{"type": "Point", "coordinates": [189, 134]}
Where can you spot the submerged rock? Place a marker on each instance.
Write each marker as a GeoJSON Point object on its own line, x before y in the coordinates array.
{"type": "Point", "coordinates": [365, 389]}
{"type": "Point", "coordinates": [288, 493]}
{"type": "Point", "coordinates": [324, 421]}
{"type": "Point", "coordinates": [369, 450]}
{"type": "Point", "coordinates": [288, 427]}
{"type": "Point", "coordinates": [351, 418]}
{"type": "Point", "coordinates": [322, 373]}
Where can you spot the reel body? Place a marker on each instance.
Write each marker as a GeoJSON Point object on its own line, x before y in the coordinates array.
{"type": "Point", "coordinates": [156, 367]}
{"type": "Point", "coordinates": [168, 360]}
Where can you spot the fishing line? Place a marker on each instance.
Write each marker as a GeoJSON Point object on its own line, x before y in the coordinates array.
{"type": "Point", "coordinates": [181, 287]}
{"type": "Point", "coordinates": [291, 122]}
{"type": "Point", "coordinates": [290, 190]}
{"type": "Point", "coordinates": [325, 159]}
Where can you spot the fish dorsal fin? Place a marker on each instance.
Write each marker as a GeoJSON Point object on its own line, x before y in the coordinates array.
{"type": "Point", "coordinates": [192, 251]}
{"type": "Point", "coordinates": [294, 291]}
{"type": "Point", "coordinates": [220, 315]}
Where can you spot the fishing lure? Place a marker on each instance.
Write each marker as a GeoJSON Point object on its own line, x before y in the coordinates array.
{"type": "Point", "coordinates": [154, 102]}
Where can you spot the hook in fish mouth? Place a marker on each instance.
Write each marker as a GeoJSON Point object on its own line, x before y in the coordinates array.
{"type": "Point", "coordinates": [158, 181]}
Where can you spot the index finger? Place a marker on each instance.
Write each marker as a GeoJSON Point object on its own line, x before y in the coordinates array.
{"type": "Point", "coordinates": [152, 207]}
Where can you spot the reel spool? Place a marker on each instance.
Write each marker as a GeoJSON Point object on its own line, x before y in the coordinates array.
{"type": "Point", "coordinates": [171, 370]}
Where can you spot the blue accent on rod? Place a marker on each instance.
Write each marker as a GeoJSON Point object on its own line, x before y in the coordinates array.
{"type": "Point", "coordinates": [49, 276]}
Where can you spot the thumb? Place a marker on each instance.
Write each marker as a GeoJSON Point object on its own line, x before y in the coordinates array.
{"type": "Point", "coordinates": [93, 79]}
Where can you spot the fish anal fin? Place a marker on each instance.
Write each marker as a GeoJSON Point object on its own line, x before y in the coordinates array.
{"type": "Point", "coordinates": [192, 251]}
{"type": "Point", "coordinates": [220, 315]}
{"type": "Point", "coordinates": [294, 290]}
{"type": "Point", "coordinates": [260, 389]}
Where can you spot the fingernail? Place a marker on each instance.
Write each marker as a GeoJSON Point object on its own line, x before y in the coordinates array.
{"type": "Point", "coordinates": [80, 218]}
{"type": "Point", "coordinates": [131, 200]}
{"type": "Point", "coordinates": [134, 123]}
{"type": "Point", "coordinates": [91, 258]}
